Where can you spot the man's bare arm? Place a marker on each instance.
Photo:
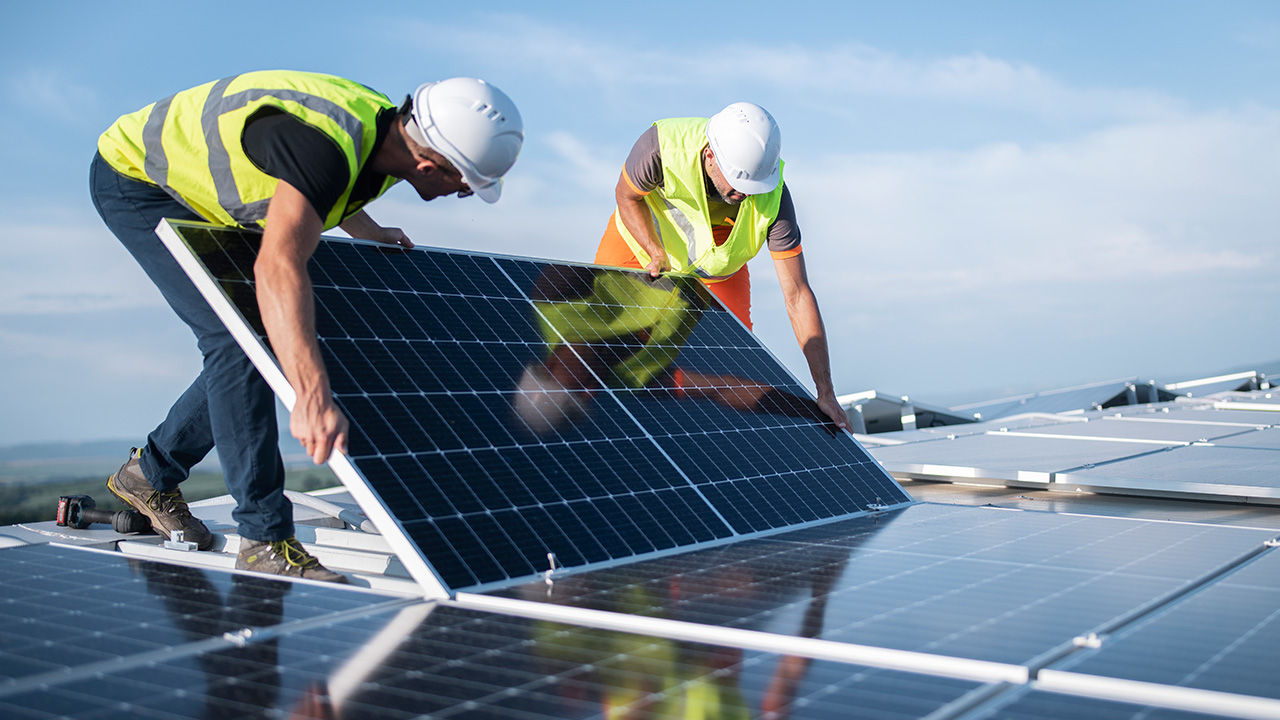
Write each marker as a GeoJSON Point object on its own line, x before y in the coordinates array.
{"type": "Point", "coordinates": [288, 311]}
{"type": "Point", "coordinates": [360, 225]}
{"type": "Point", "coordinates": [635, 216]}
{"type": "Point", "coordinates": [806, 321]}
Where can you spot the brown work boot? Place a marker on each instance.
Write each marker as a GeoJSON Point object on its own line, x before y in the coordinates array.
{"type": "Point", "coordinates": [283, 557]}
{"type": "Point", "coordinates": [167, 510]}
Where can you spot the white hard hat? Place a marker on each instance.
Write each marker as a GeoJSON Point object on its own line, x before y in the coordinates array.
{"type": "Point", "coordinates": [474, 125]}
{"type": "Point", "coordinates": [746, 142]}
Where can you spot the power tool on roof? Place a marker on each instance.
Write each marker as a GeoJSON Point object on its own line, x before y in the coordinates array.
{"type": "Point", "coordinates": [78, 511]}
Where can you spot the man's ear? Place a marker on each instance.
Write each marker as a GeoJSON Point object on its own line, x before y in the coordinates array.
{"type": "Point", "coordinates": [425, 165]}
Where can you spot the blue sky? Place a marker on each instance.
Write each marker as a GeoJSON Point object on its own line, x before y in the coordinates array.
{"type": "Point", "coordinates": [994, 196]}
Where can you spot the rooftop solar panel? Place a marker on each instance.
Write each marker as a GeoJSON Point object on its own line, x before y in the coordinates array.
{"type": "Point", "coordinates": [1225, 472]}
{"type": "Point", "coordinates": [1199, 412]}
{"type": "Point", "coordinates": [982, 584]}
{"type": "Point", "coordinates": [1016, 457]}
{"type": "Point", "coordinates": [509, 416]}
{"type": "Point", "coordinates": [1268, 438]}
{"type": "Point", "coordinates": [421, 659]}
{"type": "Point", "coordinates": [63, 610]}
{"type": "Point", "coordinates": [1141, 429]}
{"type": "Point", "coordinates": [1033, 704]}
{"type": "Point", "coordinates": [1222, 638]}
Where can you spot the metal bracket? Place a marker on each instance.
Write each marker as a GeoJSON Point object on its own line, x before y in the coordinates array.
{"type": "Point", "coordinates": [176, 542]}
{"type": "Point", "coordinates": [1091, 640]}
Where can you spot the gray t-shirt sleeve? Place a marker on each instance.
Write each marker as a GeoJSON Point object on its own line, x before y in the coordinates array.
{"type": "Point", "coordinates": [784, 233]}
{"type": "Point", "coordinates": [644, 164]}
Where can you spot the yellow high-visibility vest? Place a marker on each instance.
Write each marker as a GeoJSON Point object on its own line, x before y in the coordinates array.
{"type": "Point", "coordinates": [189, 144]}
{"type": "Point", "coordinates": [681, 211]}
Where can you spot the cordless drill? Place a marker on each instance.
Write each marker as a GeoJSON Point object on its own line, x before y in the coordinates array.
{"type": "Point", "coordinates": [78, 511]}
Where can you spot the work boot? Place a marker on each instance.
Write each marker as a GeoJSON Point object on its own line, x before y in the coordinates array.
{"type": "Point", "coordinates": [167, 510]}
{"type": "Point", "coordinates": [283, 557]}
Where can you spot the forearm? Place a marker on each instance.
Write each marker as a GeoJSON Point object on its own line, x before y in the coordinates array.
{"type": "Point", "coordinates": [360, 225]}
{"type": "Point", "coordinates": [284, 290]}
{"type": "Point", "coordinates": [811, 334]}
{"type": "Point", "coordinates": [634, 215]}
{"type": "Point", "coordinates": [288, 313]}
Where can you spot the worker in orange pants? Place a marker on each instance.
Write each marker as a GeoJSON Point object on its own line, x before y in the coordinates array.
{"type": "Point", "coordinates": [703, 196]}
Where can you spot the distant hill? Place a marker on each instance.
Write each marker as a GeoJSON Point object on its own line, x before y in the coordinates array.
{"type": "Point", "coordinates": [64, 450]}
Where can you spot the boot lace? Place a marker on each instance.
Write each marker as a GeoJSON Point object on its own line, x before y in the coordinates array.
{"type": "Point", "coordinates": [294, 554]}
{"type": "Point", "coordinates": [169, 501]}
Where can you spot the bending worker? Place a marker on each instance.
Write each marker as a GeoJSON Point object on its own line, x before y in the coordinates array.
{"type": "Point", "coordinates": [703, 196]}
{"type": "Point", "coordinates": [294, 154]}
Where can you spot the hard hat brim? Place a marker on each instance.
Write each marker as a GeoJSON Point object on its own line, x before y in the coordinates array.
{"type": "Point", "coordinates": [755, 187]}
{"type": "Point", "coordinates": [489, 193]}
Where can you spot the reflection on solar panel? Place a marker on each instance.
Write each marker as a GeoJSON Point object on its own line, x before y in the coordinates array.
{"type": "Point", "coordinates": [64, 609]}
{"type": "Point", "coordinates": [221, 645]}
{"type": "Point", "coordinates": [965, 582]}
{"type": "Point", "coordinates": [508, 415]}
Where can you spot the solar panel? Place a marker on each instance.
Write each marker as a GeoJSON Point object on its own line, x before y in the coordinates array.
{"type": "Point", "coordinates": [1222, 638]}
{"type": "Point", "coordinates": [508, 415]}
{"type": "Point", "coordinates": [97, 634]}
{"type": "Point", "coordinates": [1268, 438]}
{"type": "Point", "coordinates": [1032, 704]}
{"type": "Point", "coordinates": [1204, 412]}
{"type": "Point", "coordinates": [1141, 429]}
{"type": "Point", "coordinates": [1015, 456]}
{"type": "Point", "coordinates": [981, 584]}
{"type": "Point", "coordinates": [1226, 472]}
{"type": "Point", "coordinates": [439, 661]}
{"type": "Point", "coordinates": [63, 610]}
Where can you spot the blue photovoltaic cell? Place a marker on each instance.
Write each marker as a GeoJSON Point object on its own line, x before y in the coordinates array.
{"type": "Point", "coordinates": [447, 662]}
{"type": "Point", "coordinates": [1223, 637]}
{"type": "Point", "coordinates": [987, 584]}
{"type": "Point", "coordinates": [505, 409]}
{"type": "Point", "coordinates": [1024, 704]}
{"type": "Point", "coordinates": [65, 608]}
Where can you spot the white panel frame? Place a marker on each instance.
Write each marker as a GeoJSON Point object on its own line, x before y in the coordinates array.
{"type": "Point", "coordinates": [414, 561]}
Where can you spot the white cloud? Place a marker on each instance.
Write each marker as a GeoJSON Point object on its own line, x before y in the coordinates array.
{"type": "Point", "coordinates": [587, 168]}
{"type": "Point", "coordinates": [52, 93]}
{"type": "Point", "coordinates": [825, 79]}
{"type": "Point", "coordinates": [68, 265]}
{"type": "Point", "coordinates": [1187, 197]}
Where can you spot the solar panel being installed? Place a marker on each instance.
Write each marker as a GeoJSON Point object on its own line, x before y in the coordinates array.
{"type": "Point", "coordinates": [509, 415]}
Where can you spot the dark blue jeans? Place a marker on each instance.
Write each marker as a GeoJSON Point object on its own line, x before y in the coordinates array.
{"type": "Point", "coordinates": [229, 406]}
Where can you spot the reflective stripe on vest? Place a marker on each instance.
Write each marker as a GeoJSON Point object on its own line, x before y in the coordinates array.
{"type": "Point", "coordinates": [681, 210]}
{"type": "Point", "coordinates": [239, 193]}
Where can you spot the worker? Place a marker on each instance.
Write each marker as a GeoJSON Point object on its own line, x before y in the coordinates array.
{"type": "Point", "coordinates": [295, 154]}
{"type": "Point", "coordinates": [703, 196]}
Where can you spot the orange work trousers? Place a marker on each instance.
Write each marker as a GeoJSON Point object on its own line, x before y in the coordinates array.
{"type": "Point", "coordinates": [734, 291]}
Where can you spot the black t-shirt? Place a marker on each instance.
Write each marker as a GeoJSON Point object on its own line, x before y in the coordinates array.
{"type": "Point", "coordinates": [288, 149]}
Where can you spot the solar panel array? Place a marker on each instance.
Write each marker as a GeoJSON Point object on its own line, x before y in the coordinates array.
{"type": "Point", "coordinates": [503, 409]}
{"type": "Point", "coordinates": [976, 583]}
{"type": "Point", "coordinates": [1187, 449]}
{"type": "Point", "coordinates": [1194, 643]}
{"type": "Point", "coordinates": [98, 635]}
